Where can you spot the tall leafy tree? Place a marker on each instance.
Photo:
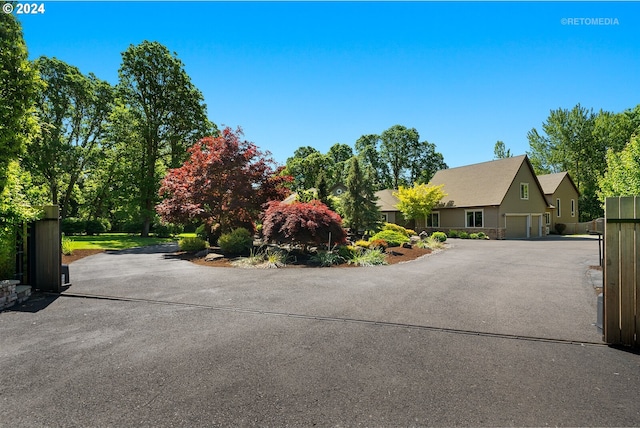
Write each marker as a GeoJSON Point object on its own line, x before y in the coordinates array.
{"type": "Point", "coordinates": [500, 151]}
{"type": "Point", "coordinates": [340, 154]}
{"type": "Point", "coordinates": [111, 188]}
{"type": "Point", "coordinates": [19, 84]}
{"type": "Point", "coordinates": [568, 144]}
{"type": "Point", "coordinates": [305, 167]}
{"type": "Point", "coordinates": [396, 149]}
{"type": "Point", "coordinates": [577, 141]}
{"type": "Point", "coordinates": [73, 110]}
{"type": "Point", "coordinates": [424, 162]}
{"type": "Point", "coordinates": [169, 114]}
{"type": "Point", "coordinates": [224, 184]}
{"type": "Point", "coordinates": [359, 201]}
{"type": "Point", "coordinates": [367, 150]}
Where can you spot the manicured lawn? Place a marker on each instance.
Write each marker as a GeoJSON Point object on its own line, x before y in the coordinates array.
{"type": "Point", "coordinates": [115, 241]}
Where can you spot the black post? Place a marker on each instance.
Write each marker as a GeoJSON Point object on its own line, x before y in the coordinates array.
{"type": "Point", "coordinates": [600, 248]}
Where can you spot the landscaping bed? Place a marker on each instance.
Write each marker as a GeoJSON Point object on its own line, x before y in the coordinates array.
{"type": "Point", "coordinates": [394, 255]}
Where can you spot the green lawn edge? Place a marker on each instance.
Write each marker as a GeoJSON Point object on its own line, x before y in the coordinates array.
{"type": "Point", "coordinates": [118, 241]}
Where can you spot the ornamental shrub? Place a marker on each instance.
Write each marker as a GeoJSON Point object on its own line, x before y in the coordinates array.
{"type": "Point", "coordinates": [482, 235]}
{"type": "Point", "coordinates": [67, 245]}
{"type": "Point", "coordinates": [326, 258]}
{"type": "Point", "coordinates": [237, 242]}
{"type": "Point", "coordinates": [463, 235]}
{"type": "Point", "coordinates": [192, 244]}
{"type": "Point", "coordinates": [362, 243]}
{"type": "Point", "coordinates": [347, 252]}
{"type": "Point", "coordinates": [302, 223]}
{"type": "Point", "coordinates": [473, 236]}
{"type": "Point", "coordinates": [369, 258]}
{"type": "Point", "coordinates": [454, 234]}
{"type": "Point", "coordinates": [397, 228]}
{"type": "Point", "coordinates": [560, 227]}
{"type": "Point", "coordinates": [393, 238]}
{"type": "Point", "coordinates": [380, 244]}
{"type": "Point", "coordinates": [440, 236]}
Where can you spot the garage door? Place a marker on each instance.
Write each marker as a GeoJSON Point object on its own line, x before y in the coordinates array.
{"type": "Point", "coordinates": [516, 227]}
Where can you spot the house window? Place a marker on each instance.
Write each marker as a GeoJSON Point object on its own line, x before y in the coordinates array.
{"type": "Point", "coordinates": [524, 190]}
{"type": "Point", "coordinates": [474, 218]}
{"type": "Point", "coordinates": [385, 217]}
{"type": "Point", "coordinates": [547, 218]}
{"type": "Point", "coordinates": [573, 207]}
{"type": "Point", "coordinates": [558, 212]}
{"type": "Point", "coordinates": [433, 219]}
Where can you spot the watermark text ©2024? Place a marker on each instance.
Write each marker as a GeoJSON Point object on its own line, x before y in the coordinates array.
{"type": "Point", "coordinates": [590, 21]}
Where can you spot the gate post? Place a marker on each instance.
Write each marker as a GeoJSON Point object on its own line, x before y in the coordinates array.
{"type": "Point", "coordinates": [621, 271]}
{"type": "Point", "coordinates": [47, 255]}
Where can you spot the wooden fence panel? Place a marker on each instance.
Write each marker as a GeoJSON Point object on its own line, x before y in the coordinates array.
{"type": "Point", "coordinates": [622, 258]}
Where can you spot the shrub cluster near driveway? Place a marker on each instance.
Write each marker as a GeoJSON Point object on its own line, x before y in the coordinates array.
{"type": "Point", "coordinates": [466, 235]}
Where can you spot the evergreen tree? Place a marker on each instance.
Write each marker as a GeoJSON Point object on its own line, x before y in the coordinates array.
{"type": "Point", "coordinates": [359, 201]}
{"type": "Point", "coordinates": [322, 190]}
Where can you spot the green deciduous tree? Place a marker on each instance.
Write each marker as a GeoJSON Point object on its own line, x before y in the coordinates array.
{"type": "Point", "coordinates": [396, 149]}
{"type": "Point", "coordinates": [418, 201]}
{"type": "Point", "coordinates": [73, 110]}
{"type": "Point", "coordinates": [169, 116]}
{"type": "Point", "coordinates": [577, 141]}
{"type": "Point", "coordinates": [567, 144]}
{"type": "Point", "coordinates": [305, 167]}
{"type": "Point", "coordinates": [367, 149]}
{"type": "Point", "coordinates": [500, 151]}
{"type": "Point", "coordinates": [359, 201]}
{"type": "Point", "coordinates": [623, 171]}
{"type": "Point", "coordinates": [408, 159]}
{"type": "Point", "coordinates": [19, 84]}
{"type": "Point", "coordinates": [424, 162]}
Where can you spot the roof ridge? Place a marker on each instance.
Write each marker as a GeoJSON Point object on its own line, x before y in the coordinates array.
{"type": "Point", "coordinates": [511, 158]}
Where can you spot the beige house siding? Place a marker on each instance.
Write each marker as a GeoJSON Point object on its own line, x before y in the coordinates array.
{"type": "Point", "coordinates": [514, 217]}
{"type": "Point", "coordinates": [565, 193]}
{"type": "Point", "coordinates": [523, 218]}
{"type": "Point", "coordinates": [512, 202]}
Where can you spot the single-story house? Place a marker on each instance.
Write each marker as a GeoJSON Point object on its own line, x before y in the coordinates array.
{"type": "Point", "coordinates": [562, 198]}
{"type": "Point", "coordinates": [502, 198]}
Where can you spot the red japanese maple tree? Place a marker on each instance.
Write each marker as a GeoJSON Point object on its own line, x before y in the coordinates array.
{"type": "Point", "coordinates": [302, 223]}
{"type": "Point", "coordinates": [224, 183]}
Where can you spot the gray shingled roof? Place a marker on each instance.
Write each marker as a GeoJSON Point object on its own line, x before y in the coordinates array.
{"type": "Point", "coordinates": [550, 182]}
{"type": "Point", "coordinates": [386, 201]}
{"type": "Point", "coordinates": [481, 184]}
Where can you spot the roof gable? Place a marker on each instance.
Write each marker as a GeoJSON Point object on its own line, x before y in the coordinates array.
{"type": "Point", "coordinates": [551, 182]}
{"type": "Point", "coordinates": [481, 184]}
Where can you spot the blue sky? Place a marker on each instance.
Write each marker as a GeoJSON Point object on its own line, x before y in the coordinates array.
{"type": "Point", "coordinates": [464, 74]}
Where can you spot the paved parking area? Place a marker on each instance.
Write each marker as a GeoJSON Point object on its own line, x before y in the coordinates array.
{"type": "Point", "coordinates": [489, 333]}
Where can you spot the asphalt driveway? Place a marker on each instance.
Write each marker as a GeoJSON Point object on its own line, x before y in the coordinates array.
{"type": "Point", "coordinates": [489, 333]}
